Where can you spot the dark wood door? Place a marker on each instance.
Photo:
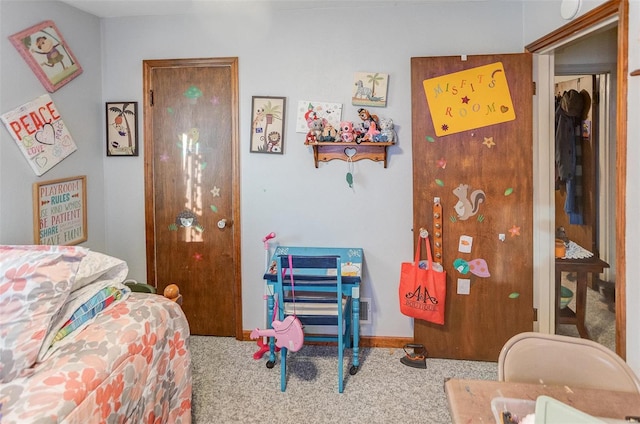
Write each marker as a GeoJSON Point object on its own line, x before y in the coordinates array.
{"type": "Point", "coordinates": [483, 178]}
{"type": "Point", "coordinates": [192, 188]}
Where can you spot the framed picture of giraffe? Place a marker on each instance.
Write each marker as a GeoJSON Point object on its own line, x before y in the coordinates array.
{"type": "Point", "coordinates": [122, 128]}
{"type": "Point", "coordinates": [267, 124]}
{"type": "Point", "coordinates": [47, 54]}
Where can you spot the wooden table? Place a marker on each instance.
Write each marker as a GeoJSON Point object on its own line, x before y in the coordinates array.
{"type": "Point", "coordinates": [581, 267]}
{"type": "Point", "coordinates": [470, 400]}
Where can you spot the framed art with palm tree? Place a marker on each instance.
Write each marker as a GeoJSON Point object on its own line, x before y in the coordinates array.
{"type": "Point", "coordinates": [122, 128]}
{"type": "Point", "coordinates": [267, 124]}
{"type": "Point", "coordinates": [369, 89]}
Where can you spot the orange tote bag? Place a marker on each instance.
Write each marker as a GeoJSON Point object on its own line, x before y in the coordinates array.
{"type": "Point", "coordinates": [422, 289]}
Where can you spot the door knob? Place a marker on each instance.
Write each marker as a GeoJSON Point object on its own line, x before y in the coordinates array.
{"type": "Point", "coordinates": [222, 223]}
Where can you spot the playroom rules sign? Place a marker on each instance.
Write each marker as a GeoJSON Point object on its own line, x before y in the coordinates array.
{"type": "Point", "coordinates": [60, 211]}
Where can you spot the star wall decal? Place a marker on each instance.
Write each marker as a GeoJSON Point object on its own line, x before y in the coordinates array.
{"type": "Point", "coordinates": [515, 231]}
{"type": "Point", "coordinates": [215, 191]}
{"type": "Point", "coordinates": [164, 157]}
{"type": "Point", "coordinates": [488, 141]}
{"type": "Point", "coordinates": [465, 100]}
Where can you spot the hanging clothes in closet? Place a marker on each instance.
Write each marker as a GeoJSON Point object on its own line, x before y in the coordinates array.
{"type": "Point", "coordinates": [571, 109]}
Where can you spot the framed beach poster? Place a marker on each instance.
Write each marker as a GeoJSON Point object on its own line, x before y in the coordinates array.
{"type": "Point", "coordinates": [47, 54]}
{"type": "Point", "coordinates": [122, 128]}
{"type": "Point", "coordinates": [60, 211]}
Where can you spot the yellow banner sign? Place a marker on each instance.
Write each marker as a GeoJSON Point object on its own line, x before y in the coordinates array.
{"type": "Point", "coordinates": [469, 99]}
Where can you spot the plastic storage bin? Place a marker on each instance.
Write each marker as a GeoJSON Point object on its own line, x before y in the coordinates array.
{"type": "Point", "coordinates": [519, 408]}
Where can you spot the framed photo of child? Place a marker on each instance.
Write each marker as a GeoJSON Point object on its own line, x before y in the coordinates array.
{"type": "Point", "coordinates": [47, 54]}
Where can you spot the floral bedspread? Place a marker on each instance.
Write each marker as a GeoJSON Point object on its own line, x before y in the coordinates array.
{"type": "Point", "coordinates": [131, 365]}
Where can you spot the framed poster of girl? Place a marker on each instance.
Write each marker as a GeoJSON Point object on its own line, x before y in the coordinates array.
{"type": "Point", "coordinates": [47, 54]}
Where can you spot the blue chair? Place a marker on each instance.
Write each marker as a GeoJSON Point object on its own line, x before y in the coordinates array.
{"type": "Point", "coordinates": [317, 297]}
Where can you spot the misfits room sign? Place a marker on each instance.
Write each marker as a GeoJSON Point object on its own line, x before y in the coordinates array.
{"type": "Point", "coordinates": [469, 99]}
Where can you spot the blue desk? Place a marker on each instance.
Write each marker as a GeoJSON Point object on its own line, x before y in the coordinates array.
{"type": "Point", "coordinates": [351, 262]}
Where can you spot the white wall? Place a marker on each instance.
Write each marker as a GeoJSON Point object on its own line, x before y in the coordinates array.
{"type": "Point", "coordinates": [541, 17]}
{"type": "Point", "coordinates": [633, 200]}
{"type": "Point", "coordinates": [306, 51]}
{"type": "Point", "coordinates": [80, 104]}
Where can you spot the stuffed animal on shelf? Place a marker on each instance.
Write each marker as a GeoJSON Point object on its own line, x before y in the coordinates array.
{"type": "Point", "coordinates": [329, 133]}
{"type": "Point", "coordinates": [387, 133]}
{"type": "Point", "coordinates": [367, 118]}
{"type": "Point", "coordinates": [372, 132]}
{"type": "Point", "coordinates": [315, 131]}
{"type": "Point", "coordinates": [359, 131]}
{"type": "Point", "coordinates": [346, 131]}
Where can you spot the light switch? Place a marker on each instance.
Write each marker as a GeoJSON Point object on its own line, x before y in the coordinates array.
{"type": "Point", "coordinates": [464, 286]}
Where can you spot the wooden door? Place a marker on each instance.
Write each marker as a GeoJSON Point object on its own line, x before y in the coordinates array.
{"type": "Point", "coordinates": [192, 188]}
{"type": "Point", "coordinates": [483, 178]}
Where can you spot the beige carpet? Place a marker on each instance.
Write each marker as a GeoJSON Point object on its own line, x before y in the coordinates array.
{"type": "Point", "coordinates": [229, 386]}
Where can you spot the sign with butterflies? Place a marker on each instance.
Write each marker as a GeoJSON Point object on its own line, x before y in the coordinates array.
{"type": "Point", "coordinates": [40, 133]}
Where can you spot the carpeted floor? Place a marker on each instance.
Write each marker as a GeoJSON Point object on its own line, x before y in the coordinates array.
{"type": "Point", "coordinates": [229, 386]}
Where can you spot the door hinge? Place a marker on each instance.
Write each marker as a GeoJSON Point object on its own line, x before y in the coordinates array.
{"type": "Point", "coordinates": [534, 88]}
{"type": "Point", "coordinates": [150, 97]}
{"type": "Point", "coordinates": [535, 314]}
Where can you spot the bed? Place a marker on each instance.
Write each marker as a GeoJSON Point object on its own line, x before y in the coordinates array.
{"type": "Point", "coordinates": [77, 346]}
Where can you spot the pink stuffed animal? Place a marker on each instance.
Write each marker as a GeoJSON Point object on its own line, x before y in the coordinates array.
{"type": "Point", "coordinates": [372, 132]}
{"type": "Point", "coordinates": [346, 131]}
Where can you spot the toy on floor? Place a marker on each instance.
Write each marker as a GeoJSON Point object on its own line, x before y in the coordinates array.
{"type": "Point", "coordinates": [288, 333]}
{"type": "Point", "coordinates": [263, 345]}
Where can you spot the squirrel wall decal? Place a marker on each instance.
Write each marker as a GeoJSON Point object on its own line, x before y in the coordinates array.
{"type": "Point", "coordinates": [467, 205]}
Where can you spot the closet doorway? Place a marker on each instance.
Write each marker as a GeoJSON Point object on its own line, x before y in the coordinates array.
{"type": "Point", "coordinates": [192, 195]}
{"type": "Point", "coordinates": [612, 14]}
{"type": "Point", "coordinates": [583, 211]}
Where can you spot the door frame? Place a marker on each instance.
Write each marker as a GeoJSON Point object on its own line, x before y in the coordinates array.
{"type": "Point", "coordinates": [544, 261]}
{"type": "Point", "coordinates": [148, 67]}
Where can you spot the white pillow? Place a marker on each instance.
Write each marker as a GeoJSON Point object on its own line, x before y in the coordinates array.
{"type": "Point", "coordinates": [94, 265]}
{"type": "Point", "coordinates": [35, 281]}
